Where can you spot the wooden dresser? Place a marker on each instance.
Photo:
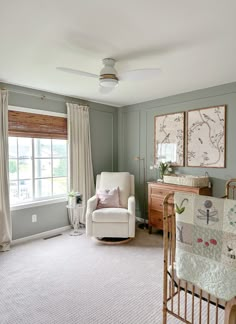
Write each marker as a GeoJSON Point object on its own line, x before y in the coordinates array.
{"type": "Point", "coordinates": [156, 194]}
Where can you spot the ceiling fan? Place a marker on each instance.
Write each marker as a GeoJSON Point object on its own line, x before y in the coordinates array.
{"type": "Point", "coordinates": [109, 78]}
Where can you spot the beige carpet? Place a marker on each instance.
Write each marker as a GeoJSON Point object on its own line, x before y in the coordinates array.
{"type": "Point", "coordinates": [77, 280]}
{"type": "Point", "coordinates": [68, 280]}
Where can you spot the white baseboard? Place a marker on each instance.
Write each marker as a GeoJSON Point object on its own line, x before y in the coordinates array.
{"type": "Point", "coordinates": [41, 235]}
{"type": "Point", "coordinates": [53, 232]}
{"type": "Point", "coordinates": [141, 220]}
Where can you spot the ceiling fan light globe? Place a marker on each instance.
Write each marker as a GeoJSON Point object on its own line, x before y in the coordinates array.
{"type": "Point", "coordinates": [108, 83]}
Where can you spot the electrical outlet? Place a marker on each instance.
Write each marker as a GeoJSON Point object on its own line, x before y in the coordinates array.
{"type": "Point", "coordinates": [34, 218]}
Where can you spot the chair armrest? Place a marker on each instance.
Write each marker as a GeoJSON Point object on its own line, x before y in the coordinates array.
{"type": "Point", "coordinates": [91, 206]}
{"type": "Point", "coordinates": [132, 218]}
{"type": "Point", "coordinates": [131, 205]}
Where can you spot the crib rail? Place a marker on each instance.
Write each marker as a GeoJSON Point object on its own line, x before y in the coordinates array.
{"type": "Point", "coordinates": [181, 299]}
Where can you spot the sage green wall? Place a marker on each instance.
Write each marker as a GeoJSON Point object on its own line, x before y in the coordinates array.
{"type": "Point", "coordinates": [132, 127]}
{"type": "Point", "coordinates": [136, 134]}
{"type": "Point", "coordinates": [103, 124]}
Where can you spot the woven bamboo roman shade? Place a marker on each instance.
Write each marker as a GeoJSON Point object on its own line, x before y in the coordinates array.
{"type": "Point", "coordinates": [24, 124]}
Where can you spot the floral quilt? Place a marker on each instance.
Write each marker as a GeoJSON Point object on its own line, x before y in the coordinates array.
{"type": "Point", "coordinates": [206, 243]}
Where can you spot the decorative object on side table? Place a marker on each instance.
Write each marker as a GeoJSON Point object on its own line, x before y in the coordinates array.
{"type": "Point", "coordinates": [72, 198]}
{"type": "Point", "coordinates": [144, 225]}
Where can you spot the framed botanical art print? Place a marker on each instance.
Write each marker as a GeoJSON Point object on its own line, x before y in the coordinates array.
{"type": "Point", "coordinates": [206, 137]}
{"type": "Point", "coordinates": [169, 138]}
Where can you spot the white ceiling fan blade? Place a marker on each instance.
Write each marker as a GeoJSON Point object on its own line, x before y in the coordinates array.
{"type": "Point", "coordinates": [105, 90]}
{"type": "Point", "coordinates": [140, 74]}
{"type": "Point", "coordinates": [78, 72]}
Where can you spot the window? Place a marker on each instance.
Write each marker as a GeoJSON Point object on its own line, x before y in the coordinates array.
{"type": "Point", "coordinates": [37, 155]}
{"type": "Point", "coordinates": [37, 169]}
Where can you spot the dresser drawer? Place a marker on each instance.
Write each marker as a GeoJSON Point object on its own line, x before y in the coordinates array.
{"type": "Point", "coordinates": [156, 219]}
{"type": "Point", "coordinates": [156, 203]}
{"type": "Point", "coordinates": [156, 191]}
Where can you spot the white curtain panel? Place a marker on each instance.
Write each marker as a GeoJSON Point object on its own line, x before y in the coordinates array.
{"type": "Point", "coordinates": [80, 156]}
{"type": "Point", "coordinates": [5, 216]}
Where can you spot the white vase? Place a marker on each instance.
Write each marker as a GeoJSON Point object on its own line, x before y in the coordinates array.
{"type": "Point", "coordinates": [72, 201]}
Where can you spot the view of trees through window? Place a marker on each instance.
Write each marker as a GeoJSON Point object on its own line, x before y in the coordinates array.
{"type": "Point", "coordinates": [37, 169]}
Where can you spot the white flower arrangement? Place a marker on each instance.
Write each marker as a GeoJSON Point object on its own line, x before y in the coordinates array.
{"type": "Point", "coordinates": [163, 167]}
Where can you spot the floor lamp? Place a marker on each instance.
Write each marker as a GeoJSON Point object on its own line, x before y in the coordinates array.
{"type": "Point", "coordinates": [144, 225]}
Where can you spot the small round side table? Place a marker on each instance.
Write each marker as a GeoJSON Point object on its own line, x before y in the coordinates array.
{"type": "Point", "coordinates": [75, 212]}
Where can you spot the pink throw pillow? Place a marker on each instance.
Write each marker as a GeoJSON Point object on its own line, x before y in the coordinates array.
{"type": "Point", "coordinates": [108, 198]}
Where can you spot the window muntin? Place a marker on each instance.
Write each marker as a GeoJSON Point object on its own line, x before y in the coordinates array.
{"type": "Point", "coordinates": [37, 169]}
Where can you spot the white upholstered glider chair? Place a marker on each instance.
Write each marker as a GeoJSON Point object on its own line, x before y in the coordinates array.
{"type": "Point", "coordinates": [112, 222]}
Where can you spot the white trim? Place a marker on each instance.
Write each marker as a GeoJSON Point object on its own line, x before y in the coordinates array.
{"type": "Point", "coordinates": [141, 220]}
{"type": "Point", "coordinates": [41, 235]}
{"type": "Point", "coordinates": [39, 203]}
{"type": "Point", "coordinates": [37, 111]}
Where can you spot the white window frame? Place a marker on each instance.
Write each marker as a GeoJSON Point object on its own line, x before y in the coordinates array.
{"type": "Point", "coordinates": [44, 200]}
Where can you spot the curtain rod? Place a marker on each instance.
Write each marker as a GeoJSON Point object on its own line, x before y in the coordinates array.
{"type": "Point", "coordinates": [43, 97]}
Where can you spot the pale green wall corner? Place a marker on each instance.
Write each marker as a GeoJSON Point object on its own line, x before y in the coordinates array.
{"type": "Point", "coordinates": [103, 124]}
{"type": "Point", "coordinates": [136, 134]}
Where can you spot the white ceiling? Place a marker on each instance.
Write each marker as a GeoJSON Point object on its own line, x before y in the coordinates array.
{"type": "Point", "coordinates": [193, 42]}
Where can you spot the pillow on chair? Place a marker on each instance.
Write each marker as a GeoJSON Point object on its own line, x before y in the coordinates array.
{"type": "Point", "coordinates": [110, 180]}
{"type": "Point", "coordinates": [108, 198]}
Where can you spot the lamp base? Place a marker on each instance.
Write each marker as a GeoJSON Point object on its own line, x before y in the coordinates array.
{"type": "Point", "coordinates": [143, 226]}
